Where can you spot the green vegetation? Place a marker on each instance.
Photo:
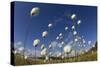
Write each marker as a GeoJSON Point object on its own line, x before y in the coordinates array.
{"type": "Point", "coordinates": [91, 56]}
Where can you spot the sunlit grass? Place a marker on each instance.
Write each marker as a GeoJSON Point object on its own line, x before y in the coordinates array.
{"type": "Point", "coordinates": [91, 56]}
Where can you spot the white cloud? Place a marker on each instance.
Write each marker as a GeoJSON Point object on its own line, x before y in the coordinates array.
{"type": "Point", "coordinates": [33, 53]}
{"type": "Point", "coordinates": [55, 54]}
{"type": "Point", "coordinates": [21, 48]}
{"type": "Point", "coordinates": [54, 43]}
{"type": "Point", "coordinates": [59, 45]}
{"type": "Point", "coordinates": [18, 44]}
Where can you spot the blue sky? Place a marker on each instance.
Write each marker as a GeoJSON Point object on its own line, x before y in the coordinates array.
{"type": "Point", "coordinates": [31, 27]}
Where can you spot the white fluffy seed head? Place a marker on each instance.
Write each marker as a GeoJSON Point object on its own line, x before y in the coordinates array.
{"type": "Point", "coordinates": [73, 27]}
{"type": "Point", "coordinates": [67, 49]}
{"type": "Point", "coordinates": [46, 58]}
{"type": "Point", "coordinates": [15, 51]}
{"type": "Point", "coordinates": [50, 46]}
{"type": "Point", "coordinates": [49, 25]}
{"type": "Point", "coordinates": [76, 39]}
{"type": "Point", "coordinates": [73, 16]}
{"type": "Point", "coordinates": [62, 42]}
{"type": "Point", "coordinates": [66, 28]}
{"type": "Point", "coordinates": [44, 52]}
{"type": "Point", "coordinates": [74, 32]}
{"type": "Point", "coordinates": [36, 42]}
{"type": "Point", "coordinates": [78, 22]}
{"type": "Point", "coordinates": [44, 34]}
{"type": "Point", "coordinates": [25, 57]}
{"type": "Point", "coordinates": [62, 57]}
{"type": "Point", "coordinates": [57, 38]}
{"type": "Point", "coordinates": [60, 34]}
{"type": "Point", "coordinates": [42, 46]}
{"type": "Point", "coordinates": [34, 11]}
